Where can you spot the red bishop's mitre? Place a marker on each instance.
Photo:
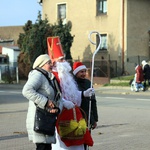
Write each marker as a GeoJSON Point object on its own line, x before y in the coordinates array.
{"type": "Point", "coordinates": [55, 50]}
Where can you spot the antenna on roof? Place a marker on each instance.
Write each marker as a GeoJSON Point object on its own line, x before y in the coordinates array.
{"type": "Point", "coordinates": [39, 1]}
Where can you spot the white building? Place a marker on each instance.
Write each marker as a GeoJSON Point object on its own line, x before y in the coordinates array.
{"type": "Point", "coordinates": [12, 52]}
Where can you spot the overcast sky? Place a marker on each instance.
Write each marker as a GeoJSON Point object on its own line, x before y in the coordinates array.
{"type": "Point", "coordinates": [18, 12]}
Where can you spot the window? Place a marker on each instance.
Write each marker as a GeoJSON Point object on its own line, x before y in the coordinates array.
{"type": "Point", "coordinates": [3, 60]}
{"type": "Point", "coordinates": [61, 12]}
{"type": "Point", "coordinates": [101, 7]}
{"type": "Point", "coordinates": [103, 42]}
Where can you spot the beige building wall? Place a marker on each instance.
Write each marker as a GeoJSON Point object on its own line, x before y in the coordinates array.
{"type": "Point", "coordinates": [82, 15]}
{"type": "Point", "coordinates": [126, 25]}
{"type": "Point", "coordinates": [138, 25]}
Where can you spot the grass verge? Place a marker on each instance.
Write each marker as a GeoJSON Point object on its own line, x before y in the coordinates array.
{"type": "Point", "coordinates": [120, 81]}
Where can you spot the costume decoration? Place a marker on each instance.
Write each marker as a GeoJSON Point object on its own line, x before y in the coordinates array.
{"type": "Point", "coordinates": [72, 125]}
{"type": "Point", "coordinates": [55, 50]}
{"type": "Point", "coordinates": [72, 128]}
{"type": "Point", "coordinates": [77, 66]}
{"type": "Point", "coordinates": [67, 83]}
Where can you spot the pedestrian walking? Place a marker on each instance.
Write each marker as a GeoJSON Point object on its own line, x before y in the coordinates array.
{"type": "Point", "coordinates": [137, 84]}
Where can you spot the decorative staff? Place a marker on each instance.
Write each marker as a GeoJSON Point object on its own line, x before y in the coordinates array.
{"type": "Point", "coordinates": [93, 57]}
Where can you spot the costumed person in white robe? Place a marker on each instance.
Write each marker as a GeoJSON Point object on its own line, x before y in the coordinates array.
{"type": "Point", "coordinates": [71, 98]}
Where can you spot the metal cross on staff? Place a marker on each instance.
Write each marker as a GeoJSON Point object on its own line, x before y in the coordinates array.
{"type": "Point", "coordinates": [93, 57]}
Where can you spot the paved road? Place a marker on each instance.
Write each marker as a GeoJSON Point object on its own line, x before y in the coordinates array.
{"type": "Point", "coordinates": [13, 110]}
{"type": "Point", "coordinates": [123, 120]}
{"type": "Point", "coordinates": [124, 123]}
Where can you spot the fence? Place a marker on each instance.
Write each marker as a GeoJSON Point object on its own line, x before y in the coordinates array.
{"type": "Point", "coordinates": [103, 70]}
{"type": "Point", "coordinates": [9, 74]}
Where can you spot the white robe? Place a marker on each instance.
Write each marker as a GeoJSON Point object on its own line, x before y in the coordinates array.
{"type": "Point", "coordinates": [61, 146]}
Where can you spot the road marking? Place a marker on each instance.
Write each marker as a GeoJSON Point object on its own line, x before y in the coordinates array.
{"type": "Point", "coordinates": [143, 100]}
{"type": "Point", "coordinates": [138, 99]}
{"type": "Point", "coordinates": [8, 92]}
{"type": "Point", "coordinates": [115, 97]}
{"type": "Point", "coordinates": [111, 97]}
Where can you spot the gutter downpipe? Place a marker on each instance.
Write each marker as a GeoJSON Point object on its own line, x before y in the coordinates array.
{"type": "Point", "coordinates": [123, 37]}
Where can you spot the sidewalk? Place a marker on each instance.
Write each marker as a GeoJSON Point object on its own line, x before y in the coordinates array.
{"type": "Point", "coordinates": [119, 90]}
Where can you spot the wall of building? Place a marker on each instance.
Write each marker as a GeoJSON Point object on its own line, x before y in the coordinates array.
{"type": "Point", "coordinates": [126, 25]}
{"type": "Point", "coordinates": [82, 15]}
{"type": "Point", "coordinates": [138, 25]}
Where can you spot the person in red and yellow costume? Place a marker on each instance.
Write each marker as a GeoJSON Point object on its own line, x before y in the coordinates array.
{"type": "Point", "coordinates": [72, 132]}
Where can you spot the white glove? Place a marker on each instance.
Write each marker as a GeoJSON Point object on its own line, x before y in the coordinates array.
{"type": "Point", "coordinates": [89, 92]}
{"type": "Point", "coordinates": [68, 104]}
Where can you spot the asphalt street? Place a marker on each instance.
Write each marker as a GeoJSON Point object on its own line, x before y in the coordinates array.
{"type": "Point", "coordinates": [123, 119]}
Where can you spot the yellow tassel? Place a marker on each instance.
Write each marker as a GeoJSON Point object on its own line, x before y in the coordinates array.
{"type": "Point", "coordinates": [78, 127]}
{"type": "Point", "coordinates": [81, 129]}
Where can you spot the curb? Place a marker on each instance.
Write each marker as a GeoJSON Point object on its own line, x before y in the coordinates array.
{"type": "Point", "coordinates": [120, 90]}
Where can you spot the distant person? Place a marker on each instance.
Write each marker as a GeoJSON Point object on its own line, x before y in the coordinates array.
{"type": "Point", "coordinates": [139, 78]}
{"type": "Point", "coordinates": [79, 71]}
{"type": "Point", "coordinates": [146, 71]}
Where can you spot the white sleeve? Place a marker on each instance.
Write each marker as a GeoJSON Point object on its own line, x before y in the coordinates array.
{"type": "Point", "coordinates": [79, 96]}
